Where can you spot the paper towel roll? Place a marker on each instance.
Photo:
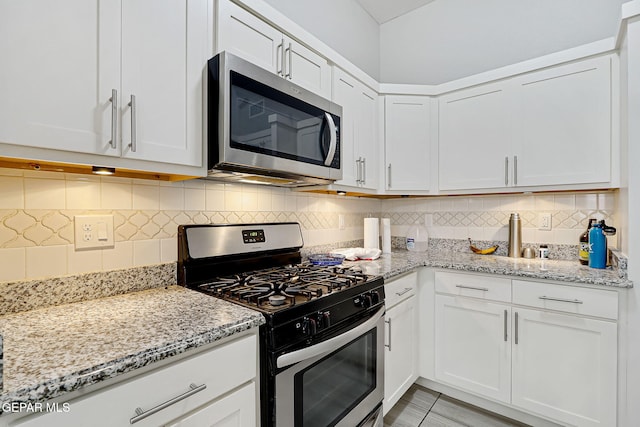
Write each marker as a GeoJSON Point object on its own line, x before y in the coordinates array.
{"type": "Point", "coordinates": [386, 235]}
{"type": "Point", "coordinates": [371, 233]}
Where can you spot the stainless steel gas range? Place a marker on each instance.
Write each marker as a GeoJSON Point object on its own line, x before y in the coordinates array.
{"type": "Point", "coordinates": [322, 345]}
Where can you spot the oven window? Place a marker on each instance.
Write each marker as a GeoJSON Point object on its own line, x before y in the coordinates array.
{"type": "Point", "coordinates": [267, 121]}
{"type": "Point", "coordinates": [326, 391]}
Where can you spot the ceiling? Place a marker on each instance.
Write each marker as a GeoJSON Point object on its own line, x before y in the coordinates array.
{"type": "Point", "coordinates": [385, 10]}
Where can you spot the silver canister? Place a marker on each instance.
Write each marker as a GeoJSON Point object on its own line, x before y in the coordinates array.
{"type": "Point", "coordinates": [515, 236]}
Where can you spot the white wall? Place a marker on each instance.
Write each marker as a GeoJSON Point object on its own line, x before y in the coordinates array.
{"type": "Point", "coordinates": [450, 39]}
{"type": "Point", "coordinates": [631, 192]}
{"type": "Point", "coordinates": [341, 24]}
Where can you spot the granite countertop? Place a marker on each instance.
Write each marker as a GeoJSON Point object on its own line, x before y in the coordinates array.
{"type": "Point", "coordinates": [398, 262]}
{"type": "Point", "coordinates": [55, 350]}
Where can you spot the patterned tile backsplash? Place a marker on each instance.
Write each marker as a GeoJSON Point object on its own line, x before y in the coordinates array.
{"type": "Point", "coordinates": [37, 212]}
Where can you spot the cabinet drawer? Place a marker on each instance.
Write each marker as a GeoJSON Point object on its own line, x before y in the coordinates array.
{"type": "Point", "coordinates": [569, 299]}
{"type": "Point", "coordinates": [116, 405]}
{"type": "Point", "coordinates": [471, 285]}
{"type": "Point", "coordinates": [400, 289]}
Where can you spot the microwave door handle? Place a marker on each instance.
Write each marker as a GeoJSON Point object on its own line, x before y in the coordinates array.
{"type": "Point", "coordinates": [329, 345]}
{"type": "Point", "coordinates": [334, 139]}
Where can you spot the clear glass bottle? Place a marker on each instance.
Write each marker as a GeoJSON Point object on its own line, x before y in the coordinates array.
{"type": "Point", "coordinates": [417, 238]}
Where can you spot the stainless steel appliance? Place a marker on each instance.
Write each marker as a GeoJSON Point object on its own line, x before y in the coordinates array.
{"type": "Point", "coordinates": [263, 128]}
{"type": "Point", "coordinates": [322, 345]}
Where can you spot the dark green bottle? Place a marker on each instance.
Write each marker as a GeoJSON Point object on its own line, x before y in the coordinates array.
{"type": "Point", "coordinates": [584, 244]}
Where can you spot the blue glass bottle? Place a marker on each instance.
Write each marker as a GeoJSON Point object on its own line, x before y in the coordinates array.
{"type": "Point", "coordinates": [597, 247]}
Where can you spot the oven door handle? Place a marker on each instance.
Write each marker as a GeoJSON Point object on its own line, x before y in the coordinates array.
{"type": "Point", "coordinates": [330, 344]}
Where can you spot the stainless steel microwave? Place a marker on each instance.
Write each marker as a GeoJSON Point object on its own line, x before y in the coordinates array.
{"type": "Point", "coordinates": [263, 128]}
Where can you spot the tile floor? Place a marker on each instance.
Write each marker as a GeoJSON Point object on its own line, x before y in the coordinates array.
{"type": "Point", "coordinates": [421, 407]}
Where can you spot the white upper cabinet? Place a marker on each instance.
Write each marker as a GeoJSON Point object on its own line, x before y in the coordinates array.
{"type": "Point", "coordinates": [564, 121]}
{"type": "Point", "coordinates": [547, 128]}
{"type": "Point", "coordinates": [245, 35]}
{"type": "Point", "coordinates": [163, 55]}
{"type": "Point", "coordinates": [105, 78]}
{"type": "Point", "coordinates": [61, 61]}
{"type": "Point", "coordinates": [407, 143]}
{"type": "Point", "coordinates": [475, 138]}
{"type": "Point", "coordinates": [359, 131]}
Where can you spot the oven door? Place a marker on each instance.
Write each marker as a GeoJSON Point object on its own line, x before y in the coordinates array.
{"type": "Point", "coordinates": [337, 382]}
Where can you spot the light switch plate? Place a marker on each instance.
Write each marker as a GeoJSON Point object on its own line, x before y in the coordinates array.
{"type": "Point", "coordinates": [544, 221]}
{"type": "Point", "coordinates": [93, 231]}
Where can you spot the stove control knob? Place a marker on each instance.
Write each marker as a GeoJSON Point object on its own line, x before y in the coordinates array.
{"type": "Point", "coordinates": [375, 297]}
{"type": "Point", "coordinates": [309, 326]}
{"type": "Point", "coordinates": [324, 319]}
{"type": "Point", "coordinates": [368, 300]}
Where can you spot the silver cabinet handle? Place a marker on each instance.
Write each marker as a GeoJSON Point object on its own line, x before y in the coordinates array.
{"type": "Point", "coordinates": [389, 176]}
{"type": "Point", "coordinates": [573, 301]}
{"type": "Point", "coordinates": [288, 75]}
{"type": "Point", "coordinates": [515, 170]}
{"type": "Point", "coordinates": [505, 325]}
{"type": "Point", "coordinates": [403, 292]}
{"type": "Point", "coordinates": [132, 104]}
{"type": "Point", "coordinates": [141, 415]}
{"type": "Point", "coordinates": [290, 61]}
{"type": "Point", "coordinates": [364, 170]}
{"type": "Point", "coordinates": [515, 334]}
{"type": "Point", "coordinates": [506, 171]}
{"type": "Point", "coordinates": [359, 171]}
{"type": "Point", "coordinates": [472, 287]}
{"type": "Point", "coordinates": [114, 117]}
{"type": "Point", "coordinates": [279, 58]}
{"type": "Point", "coordinates": [388, 322]}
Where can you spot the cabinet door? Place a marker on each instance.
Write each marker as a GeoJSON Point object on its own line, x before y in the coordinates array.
{"type": "Point", "coordinates": [472, 346]}
{"type": "Point", "coordinates": [565, 131]}
{"type": "Point", "coordinates": [235, 410]}
{"type": "Point", "coordinates": [60, 63]}
{"type": "Point", "coordinates": [407, 142]}
{"type": "Point", "coordinates": [475, 138]}
{"type": "Point", "coordinates": [359, 130]}
{"type": "Point", "coordinates": [249, 37]}
{"type": "Point", "coordinates": [564, 367]}
{"type": "Point", "coordinates": [345, 94]}
{"type": "Point", "coordinates": [401, 351]}
{"type": "Point", "coordinates": [306, 68]}
{"type": "Point", "coordinates": [163, 57]}
{"type": "Point", "coordinates": [368, 143]}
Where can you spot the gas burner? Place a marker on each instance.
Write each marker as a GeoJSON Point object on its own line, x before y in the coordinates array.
{"type": "Point", "coordinates": [277, 299]}
{"type": "Point", "coordinates": [285, 286]}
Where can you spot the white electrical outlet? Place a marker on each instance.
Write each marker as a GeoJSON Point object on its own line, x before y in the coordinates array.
{"type": "Point", "coordinates": [544, 221]}
{"type": "Point", "coordinates": [93, 231]}
{"type": "Point", "coordinates": [340, 221]}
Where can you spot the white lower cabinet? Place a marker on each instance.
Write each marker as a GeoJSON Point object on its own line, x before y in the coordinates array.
{"type": "Point", "coordinates": [199, 390]}
{"type": "Point", "coordinates": [401, 339]}
{"type": "Point", "coordinates": [472, 348]}
{"type": "Point", "coordinates": [555, 358]}
{"type": "Point", "coordinates": [564, 367]}
{"type": "Point", "coordinates": [233, 410]}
